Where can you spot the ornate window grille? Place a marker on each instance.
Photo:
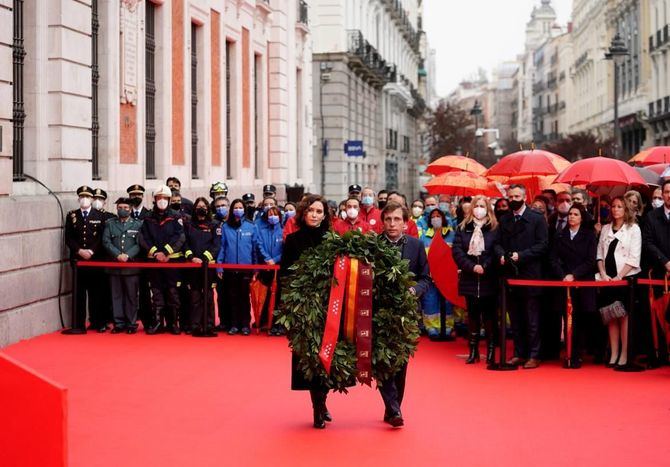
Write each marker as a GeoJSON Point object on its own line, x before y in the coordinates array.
{"type": "Point", "coordinates": [150, 94]}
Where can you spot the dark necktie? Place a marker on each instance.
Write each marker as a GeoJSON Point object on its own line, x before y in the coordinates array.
{"type": "Point", "coordinates": [561, 224]}
{"type": "Point", "coordinates": [517, 217]}
{"type": "Point", "coordinates": [136, 214]}
{"type": "Point", "coordinates": [84, 214]}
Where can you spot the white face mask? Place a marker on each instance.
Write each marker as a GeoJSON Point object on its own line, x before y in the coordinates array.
{"type": "Point", "coordinates": [162, 204]}
{"type": "Point", "coordinates": [657, 203]}
{"type": "Point", "coordinates": [84, 202]}
{"type": "Point", "coordinates": [479, 213]}
{"type": "Point", "coordinates": [343, 215]}
{"type": "Point", "coordinates": [436, 222]}
{"type": "Point", "coordinates": [98, 204]}
{"type": "Point", "coordinates": [564, 208]}
{"type": "Point", "coordinates": [352, 213]}
{"type": "Point", "coordinates": [417, 211]}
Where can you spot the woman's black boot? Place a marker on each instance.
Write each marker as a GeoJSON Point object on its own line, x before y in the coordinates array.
{"type": "Point", "coordinates": [490, 351]}
{"type": "Point", "coordinates": [474, 349]}
{"type": "Point", "coordinates": [319, 408]}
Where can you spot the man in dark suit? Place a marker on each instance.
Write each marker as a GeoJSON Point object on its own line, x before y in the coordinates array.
{"type": "Point", "coordinates": [523, 244]}
{"type": "Point", "coordinates": [83, 236]}
{"type": "Point", "coordinates": [395, 217]}
{"type": "Point", "coordinates": [139, 212]}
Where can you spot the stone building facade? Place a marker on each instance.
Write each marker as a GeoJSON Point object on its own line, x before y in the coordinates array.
{"type": "Point", "coordinates": [114, 92]}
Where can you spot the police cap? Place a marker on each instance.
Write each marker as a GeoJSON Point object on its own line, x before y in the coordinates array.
{"type": "Point", "coordinates": [85, 190]}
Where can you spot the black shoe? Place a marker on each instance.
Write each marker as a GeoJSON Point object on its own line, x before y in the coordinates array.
{"type": "Point", "coordinates": [245, 331]}
{"type": "Point", "coordinates": [131, 330]}
{"type": "Point", "coordinates": [319, 420]}
{"type": "Point", "coordinates": [490, 353]}
{"type": "Point", "coordinates": [220, 328]}
{"type": "Point", "coordinates": [101, 328]}
{"type": "Point", "coordinates": [326, 414]}
{"type": "Point", "coordinates": [118, 329]}
{"type": "Point", "coordinates": [174, 330]}
{"type": "Point", "coordinates": [394, 419]}
{"type": "Point", "coordinates": [232, 331]}
{"type": "Point", "coordinates": [73, 331]}
{"type": "Point", "coordinates": [155, 329]}
{"type": "Point", "coordinates": [474, 350]}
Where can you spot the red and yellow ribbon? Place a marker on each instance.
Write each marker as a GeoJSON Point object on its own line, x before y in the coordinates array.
{"type": "Point", "coordinates": [353, 278]}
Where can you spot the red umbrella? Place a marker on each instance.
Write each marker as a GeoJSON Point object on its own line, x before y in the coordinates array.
{"type": "Point", "coordinates": [653, 155]}
{"type": "Point", "coordinates": [658, 168]}
{"type": "Point", "coordinates": [455, 164]}
{"type": "Point", "coordinates": [461, 184]}
{"type": "Point", "coordinates": [600, 172]}
{"type": "Point", "coordinates": [533, 162]}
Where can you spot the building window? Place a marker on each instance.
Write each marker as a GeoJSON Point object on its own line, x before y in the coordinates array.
{"type": "Point", "coordinates": [18, 115]}
{"type": "Point", "coordinates": [229, 99]}
{"type": "Point", "coordinates": [95, 78]}
{"type": "Point", "coordinates": [257, 120]}
{"type": "Point", "coordinates": [194, 101]}
{"type": "Point", "coordinates": [150, 94]}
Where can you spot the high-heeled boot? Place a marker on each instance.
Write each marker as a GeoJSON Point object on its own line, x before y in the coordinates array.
{"type": "Point", "coordinates": [474, 349]}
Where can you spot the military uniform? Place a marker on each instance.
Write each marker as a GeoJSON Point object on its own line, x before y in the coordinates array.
{"type": "Point", "coordinates": [140, 213]}
{"type": "Point", "coordinates": [83, 231]}
{"type": "Point", "coordinates": [121, 238]}
{"type": "Point", "coordinates": [105, 287]}
{"type": "Point", "coordinates": [163, 232]}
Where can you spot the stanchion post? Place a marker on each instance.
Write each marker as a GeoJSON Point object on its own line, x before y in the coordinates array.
{"type": "Point", "coordinates": [75, 285]}
{"type": "Point", "coordinates": [502, 365]}
{"type": "Point", "coordinates": [205, 330]}
{"type": "Point", "coordinates": [631, 366]}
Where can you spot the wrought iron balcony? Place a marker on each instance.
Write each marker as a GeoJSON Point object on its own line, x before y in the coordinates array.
{"type": "Point", "coordinates": [303, 17]}
{"type": "Point", "coordinates": [364, 58]}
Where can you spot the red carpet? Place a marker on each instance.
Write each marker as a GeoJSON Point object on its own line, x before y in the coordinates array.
{"type": "Point", "coordinates": [179, 401]}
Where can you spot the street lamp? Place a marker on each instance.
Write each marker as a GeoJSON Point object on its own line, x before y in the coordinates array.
{"type": "Point", "coordinates": [476, 111]}
{"type": "Point", "coordinates": [617, 53]}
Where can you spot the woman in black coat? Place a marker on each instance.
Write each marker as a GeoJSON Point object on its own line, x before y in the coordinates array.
{"type": "Point", "coordinates": [573, 258]}
{"type": "Point", "coordinates": [473, 252]}
{"type": "Point", "coordinates": [313, 222]}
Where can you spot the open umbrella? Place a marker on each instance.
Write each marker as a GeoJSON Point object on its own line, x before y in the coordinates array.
{"type": "Point", "coordinates": [533, 162]}
{"type": "Point", "coordinates": [455, 164]}
{"type": "Point", "coordinates": [461, 184]}
{"type": "Point", "coordinates": [650, 177]}
{"type": "Point", "coordinates": [658, 168]}
{"type": "Point", "coordinates": [600, 172]}
{"type": "Point", "coordinates": [653, 155]}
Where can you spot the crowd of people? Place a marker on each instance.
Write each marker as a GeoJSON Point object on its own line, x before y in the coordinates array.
{"type": "Point", "coordinates": [565, 236]}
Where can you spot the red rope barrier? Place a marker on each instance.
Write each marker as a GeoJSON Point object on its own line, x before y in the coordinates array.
{"type": "Point", "coordinates": [542, 283]}
{"type": "Point", "coordinates": [659, 282]}
{"type": "Point", "coordinates": [174, 265]}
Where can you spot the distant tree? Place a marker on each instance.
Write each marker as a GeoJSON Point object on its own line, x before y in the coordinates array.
{"type": "Point", "coordinates": [581, 145]}
{"type": "Point", "coordinates": [451, 131]}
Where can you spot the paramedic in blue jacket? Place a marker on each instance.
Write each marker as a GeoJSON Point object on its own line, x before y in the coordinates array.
{"type": "Point", "coordinates": [238, 246]}
{"type": "Point", "coordinates": [270, 241]}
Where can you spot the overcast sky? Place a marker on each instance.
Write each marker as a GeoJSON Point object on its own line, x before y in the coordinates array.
{"type": "Point", "coordinates": [478, 33]}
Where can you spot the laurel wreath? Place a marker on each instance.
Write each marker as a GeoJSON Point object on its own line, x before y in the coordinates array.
{"type": "Point", "coordinates": [395, 317]}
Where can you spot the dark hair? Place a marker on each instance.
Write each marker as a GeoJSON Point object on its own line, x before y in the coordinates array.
{"type": "Point", "coordinates": [500, 200]}
{"type": "Point", "coordinates": [581, 209]}
{"type": "Point", "coordinates": [549, 190]}
{"type": "Point", "coordinates": [232, 220]}
{"type": "Point", "coordinates": [393, 206]}
{"type": "Point", "coordinates": [382, 192]}
{"type": "Point", "coordinates": [305, 204]}
{"type": "Point", "coordinates": [173, 179]}
{"type": "Point", "coordinates": [353, 198]}
{"type": "Point", "coordinates": [265, 214]}
{"type": "Point", "coordinates": [423, 204]}
{"type": "Point", "coordinates": [665, 182]}
{"type": "Point", "coordinates": [437, 212]}
{"type": "Point", "coordinates": [541, 198]}
{"type": "Point", "coordinates": [204, 200]}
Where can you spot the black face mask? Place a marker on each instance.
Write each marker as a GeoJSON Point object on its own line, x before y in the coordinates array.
{"type": "Point", "coordinates": [381, 203]}
{"type": "Point", "coordinates": [515, 205]}
{"type": "Point", "coordinates": [175, 206]}
{"type": "Point", "coordinates": [135, 202]}
{"type": "Point", "coordinates": [201, 212]}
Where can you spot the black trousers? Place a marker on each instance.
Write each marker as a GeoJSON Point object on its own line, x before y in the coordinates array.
{"type": "Point", "coordinates": [482, 309]}
{"type": "Point", "coordinates": [145, 312]}
{"type": "Point", "coordinates": [237, 296]}
{"type": "Point", "coordinates": [524, 310]}
{"type": "Point", "coordinates": [221, 303]}
{"type": "Point", "coordinates": [393, 391]}
{"type": "Point", "coordinates": [89, 297]}
{"type": "Point", "coordinates": [164, 296]}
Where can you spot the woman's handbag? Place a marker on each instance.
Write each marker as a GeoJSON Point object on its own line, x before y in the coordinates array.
{"type": "Point", "coordinates": [612, 311]}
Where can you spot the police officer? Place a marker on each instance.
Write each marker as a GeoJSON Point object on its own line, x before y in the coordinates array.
{"type": "Point", "coordinates": [355, 191]}
{"type": "Point", "coordinates": [269, 191]}
{"type": "Point", "coordinates": [162, 237]}
{"type": "Point", "coordinates": [83, 237]}
{"type": "Point", "coordinates": [249, 200]}
{"type": "Point", "coordinates": [100, 203]}
{"type": "Point", "coordinates": [202, 246]}
{"type": "Point", "coordinates": [136, 195]}
{"type": "Point", "coordinates": [139, 212]}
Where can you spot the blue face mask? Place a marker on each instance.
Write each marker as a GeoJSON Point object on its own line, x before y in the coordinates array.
{"type": "Point", "coordinates": [238, 212]}
{"type": "Point", "coordinates": [222, 211]}
{"type": "Point", "coordinates": [444, 207]}
{"type": "Point", "coordinates": [266, 208]}
{"type": "Point", "coordinates": [367, 200]}
{"type": "Point", "coordinates": [430, 209]}
{"type": "Point", "coordinates": [289, 214]}
{"type": "Point", "coordinates": [273, 220]}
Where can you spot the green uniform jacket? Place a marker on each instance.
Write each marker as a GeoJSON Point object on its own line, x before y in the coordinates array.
{"type": "Point", "coordinates": [121, 237]}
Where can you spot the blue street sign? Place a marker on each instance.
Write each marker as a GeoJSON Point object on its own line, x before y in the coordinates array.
{"type": "Point", "coordinates": [354, 148]}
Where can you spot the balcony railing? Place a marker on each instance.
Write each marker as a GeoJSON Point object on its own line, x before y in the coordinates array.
{"type": "Point", "coordinates": [366, 58]}
{"type": "Point", "coordinates": [303, 17]}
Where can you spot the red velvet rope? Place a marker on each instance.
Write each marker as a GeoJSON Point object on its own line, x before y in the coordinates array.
{"type": "Point", "coordinates": [660, 282]}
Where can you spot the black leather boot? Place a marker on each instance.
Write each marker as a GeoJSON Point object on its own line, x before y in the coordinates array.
{"type": "Point", "coordinates": [319, 408]}
{"type": "Point", "coordinates": [490, 352]}
{"type": "Point", "coordinates": [474, 349]}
